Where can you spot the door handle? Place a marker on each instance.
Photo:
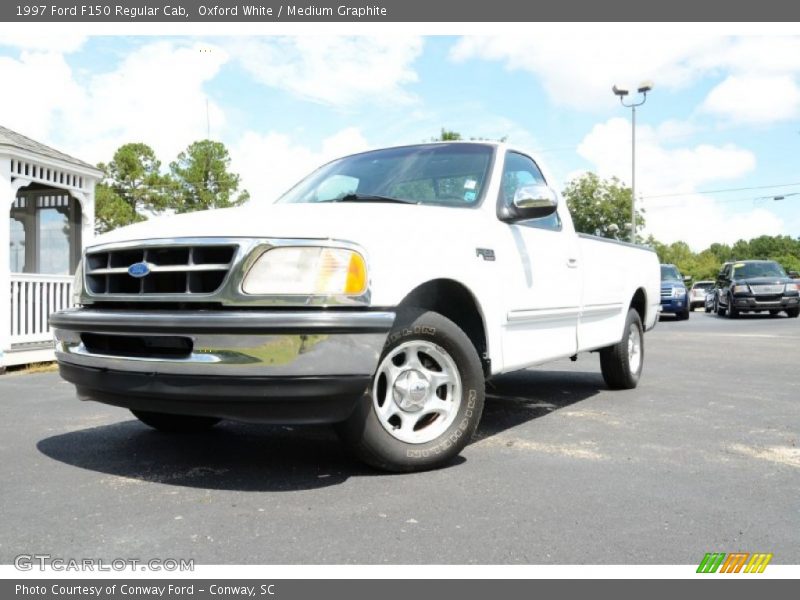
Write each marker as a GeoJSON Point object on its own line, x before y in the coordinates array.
{"type": "Point", "coordinates": [572, 263]}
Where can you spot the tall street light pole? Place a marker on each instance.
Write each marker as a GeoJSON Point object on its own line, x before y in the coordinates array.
{"type": "Point", "coordinates": [644, 87]}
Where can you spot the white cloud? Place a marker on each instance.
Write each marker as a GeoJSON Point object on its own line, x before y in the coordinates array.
{"type": "Point", "coordinates": [663, 169]}
{"type": "Point", "coordinates": [271, 163]}
{"type": "Point", "coordinates": [660, 168]}
{"type": "Point", "coordinates": [339, 71]}
{"type": "Point", "coordinates": [156, 95]}
{"type": "Point", "coordinates": [755, 99]}
{"type": "Point", "coordinates": [36, 87]}
{"type": "Point", "coordinates": [63, 42]}
{"type": "Point", "coordinates": [760, 73]}
{"type": "Point", "coordinates": [578, 70]}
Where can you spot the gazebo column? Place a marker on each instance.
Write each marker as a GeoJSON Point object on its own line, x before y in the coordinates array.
{"type": "Point", "coordinates": [7, 194]}
{"type": "Point", "coordinates": [86, 200]}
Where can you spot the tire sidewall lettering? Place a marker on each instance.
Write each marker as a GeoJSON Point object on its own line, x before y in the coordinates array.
{"type": "Point", "coordinates": [453, 436]}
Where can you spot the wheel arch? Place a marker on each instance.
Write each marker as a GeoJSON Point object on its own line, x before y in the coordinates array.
{"type": "Point", "coordinates": [639, 304]}
{"type": "Point", "coordinates": [455, 301]}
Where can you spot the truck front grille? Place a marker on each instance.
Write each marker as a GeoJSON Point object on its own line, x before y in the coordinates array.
{"type": "Point", "coordinates": [767, 289]}
{"type": "Point", "coordinates": [189, 269]}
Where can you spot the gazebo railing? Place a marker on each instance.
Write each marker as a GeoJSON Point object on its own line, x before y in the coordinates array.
{"type": "Point", "coordinates": [34, 297]}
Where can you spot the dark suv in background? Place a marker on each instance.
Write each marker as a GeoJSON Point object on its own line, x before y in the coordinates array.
{"type": "Point", "coordinates": [755, 285]}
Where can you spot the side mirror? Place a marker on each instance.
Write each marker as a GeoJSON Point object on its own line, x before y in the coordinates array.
{"type": "Point", "coordinates": [531, 202]}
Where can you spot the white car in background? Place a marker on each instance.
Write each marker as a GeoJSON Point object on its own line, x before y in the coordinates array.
{"type": "Point", "coordinates": [377, 294]}
{"type": "Point", "coordinates": [697, 293]}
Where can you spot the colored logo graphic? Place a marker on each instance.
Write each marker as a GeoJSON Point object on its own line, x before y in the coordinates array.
{"type": "Point", "coordinates": [736, 562]}
{"type": "Point", "coordinates": [140, 269]}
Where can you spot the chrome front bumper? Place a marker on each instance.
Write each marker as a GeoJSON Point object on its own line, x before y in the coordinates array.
{"type": "Point", "coordinates": [228, 343]}
{"type": "Point", "coordinates": [258, 365]}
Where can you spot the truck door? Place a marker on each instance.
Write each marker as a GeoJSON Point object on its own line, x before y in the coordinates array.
{"type": "Point", "coordinates": [544, 287]}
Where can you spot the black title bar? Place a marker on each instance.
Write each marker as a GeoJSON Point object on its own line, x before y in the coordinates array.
{"type": "Point", "coordinates": [394, 11]}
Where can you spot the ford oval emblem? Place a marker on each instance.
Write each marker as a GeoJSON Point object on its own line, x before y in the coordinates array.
{"type": "Point", "coordinates": [139, 270]}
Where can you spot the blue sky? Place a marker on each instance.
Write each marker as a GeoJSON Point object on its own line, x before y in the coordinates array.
{"type": "Point", "coordinates": [725, 111]}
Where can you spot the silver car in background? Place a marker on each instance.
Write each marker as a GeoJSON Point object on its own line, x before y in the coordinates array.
{"type": "Point", "coordinates": [697, 294]}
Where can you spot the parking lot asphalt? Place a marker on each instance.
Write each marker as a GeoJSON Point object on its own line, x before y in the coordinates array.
{"type": "Point", "coordinates": [703, 456]}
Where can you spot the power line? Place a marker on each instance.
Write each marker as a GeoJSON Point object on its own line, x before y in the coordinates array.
{"type": "Point", "coordinates": [776, 198]}
{"type": "Point", "coordinates": [721, 191]}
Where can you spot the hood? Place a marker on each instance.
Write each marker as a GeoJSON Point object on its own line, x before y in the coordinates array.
{"type": "Point", "coordinates": [350, 221]}
{"type": "Point", "coordinates": [668, 283]}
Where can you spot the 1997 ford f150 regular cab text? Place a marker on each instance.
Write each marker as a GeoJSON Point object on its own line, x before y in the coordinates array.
{"type": "Point", "coordinates": [378, 294]}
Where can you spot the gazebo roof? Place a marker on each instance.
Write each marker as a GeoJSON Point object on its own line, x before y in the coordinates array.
{"type": "Point", "coordinates": [12, 139]}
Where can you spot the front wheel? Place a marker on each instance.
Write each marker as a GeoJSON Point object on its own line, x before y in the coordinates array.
{"type": "Point", "coordinates": [621, 364]}
{"type": "Point", "coordinates": [732, 312]}
{"type": "Point", "coordinates": [426, 397]}
{"type": "Point", "coordinates": [175, 423]}
{"type": "Point", "coordinates": [718, 309]}
{"type": "Point", "coordinates": [792, 313]}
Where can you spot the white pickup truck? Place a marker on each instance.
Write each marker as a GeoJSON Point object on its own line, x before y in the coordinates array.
{"type": "Point", "coordinates": [378, 294]}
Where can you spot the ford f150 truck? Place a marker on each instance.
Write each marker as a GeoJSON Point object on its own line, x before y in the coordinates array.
{"type": "Point", "coordinates": [378, 294]}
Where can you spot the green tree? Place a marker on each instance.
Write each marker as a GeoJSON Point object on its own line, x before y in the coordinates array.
{"type": "Point", "coordinates": [111, 211]}
{"type": "Point", "coordinates": [447, 135]}
{"type": "Point", "coordinates": [203, 179]}
{"type": "Point", "coordinates": [602, 207]}
{"type": "Point", "coordinates": [722, 252]}
{"type": "Point", "coordinates": [132, 189]}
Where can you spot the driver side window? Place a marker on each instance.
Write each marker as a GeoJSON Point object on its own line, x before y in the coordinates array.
{"type": "Point", "coordinates": [518, 171]}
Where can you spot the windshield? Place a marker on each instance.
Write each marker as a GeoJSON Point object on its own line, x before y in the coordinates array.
{"type": "Point", "coordinates": [758, 269]}
{"type": "Point", "coordinates": [704, 285]}
{"type": "Point", "coordinates": [670, 272]}
{"type": "Point", "coordinates": [439, 174]}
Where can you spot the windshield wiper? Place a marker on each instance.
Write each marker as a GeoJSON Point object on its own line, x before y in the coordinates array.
{"type": "Point", "coordinates": [353, 197]}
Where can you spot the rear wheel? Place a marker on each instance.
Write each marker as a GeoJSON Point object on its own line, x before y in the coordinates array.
{"type": "Point", "coordinates": [426, 398]}
{"type": "Point", "coordinates": [774, 313]}
{"type": "Point", "coordinates": [175, 423]}
{"type": "Point", "coordinates": [621, 364]}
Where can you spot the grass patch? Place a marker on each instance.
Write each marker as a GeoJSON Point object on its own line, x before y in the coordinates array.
{"type": "Point", "coordinates": [37, 367]}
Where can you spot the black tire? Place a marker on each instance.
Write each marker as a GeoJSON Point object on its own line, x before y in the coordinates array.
{"type": "Point", "coordinates": [367, 438]}
{"type": "Point", "coordinates": [614, 361]}
{"type": "Point", "coordinates": [774, 313]}
{"type": "Point", "coordinates": [684, 316]}
{"type": "Point", "coordinates": [175, 423]}
{"type": "Point", "coordinates": [792, 313]}
{"type": "Point", "coordinates": [707, 309]}
{"type": "Point", "coordinates": [732, 312]}
{"type": "Point", "coordinates": [718, 309]}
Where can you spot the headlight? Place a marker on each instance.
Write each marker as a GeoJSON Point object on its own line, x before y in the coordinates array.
{"type": "Point", "coordinates": [678, 292]}
{"type": "Point", "coordinates": [741, 289]}
{"type": "Point", "coordinates": [307, 271]}
{"type": "Point", "coordinates": [77, 284]}
{"type": "Point", "coordinates": [792, 287]}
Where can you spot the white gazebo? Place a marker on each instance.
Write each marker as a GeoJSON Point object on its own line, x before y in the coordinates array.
{"type": "Point", "coordinates": [49, 198]}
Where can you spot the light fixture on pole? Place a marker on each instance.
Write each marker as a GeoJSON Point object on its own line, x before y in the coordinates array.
{"type": "Point", "coordinates": [643, 89]}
